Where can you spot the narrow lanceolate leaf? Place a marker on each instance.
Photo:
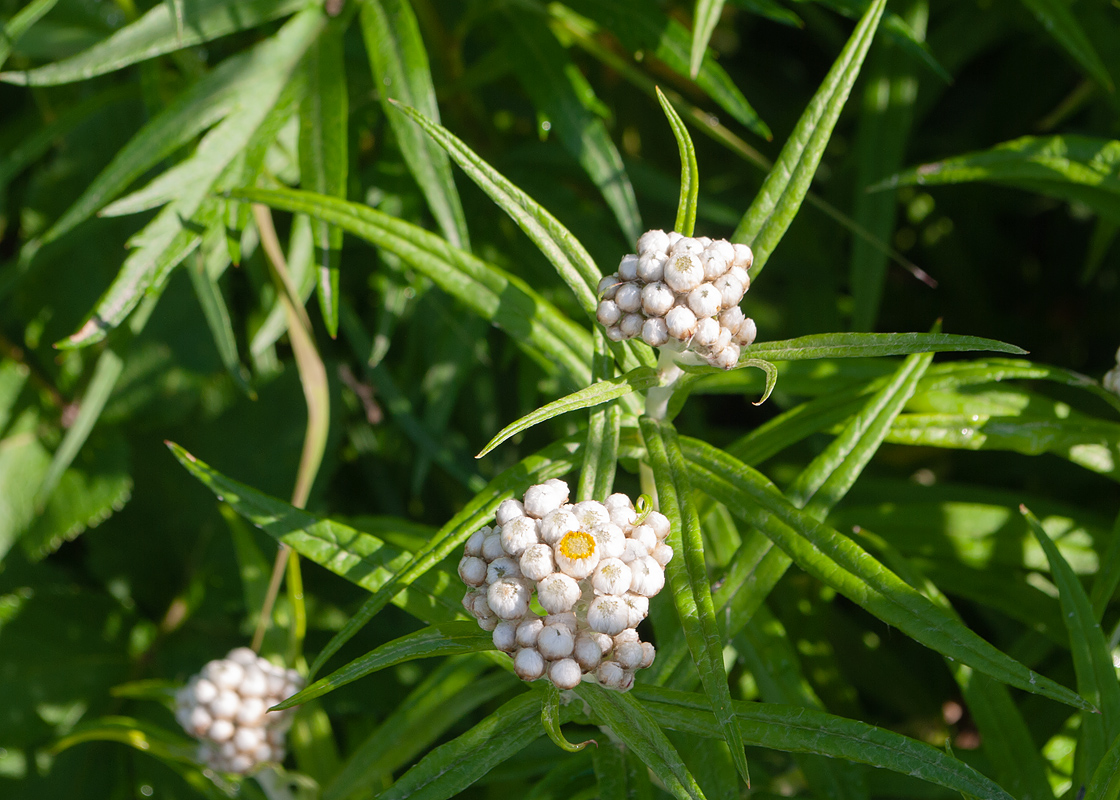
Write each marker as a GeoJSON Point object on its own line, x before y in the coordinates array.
{"type": "Point", "coordinates": [772, 211]}
{"type": "Point", "coordinates": [1074, 168]}
{"type": "Point", "coordinates": [444, 639]}
{"type": "Point", "coordinates": [17, 26]}
{"type": "Point", "coordinates": [323, 161]}
{"type": "Point", "coordinates": [600, 453]}
{"type": "Point", "coordinates": [214, 308]}
{"type": "Point", "coordinates": [642, 735]}
{"type": "Point", "coordinates": [563, 95]}
{"type": "Point", "coordinates": [637, 380]}
{"type": "Point", "coordinates": [690, 175]}
{"type": "Point", "coordinates": [156, 33]}
{"type": "Point", "coordinates": [802, 730]}
{"type": "Point", "coordinates": [550, 718]}
{"type": "Point", "coordinates": [452, 767]}
{"type": "Point", "coordinates": [838, 561]}
{"type": "Point", "coordinates": [1108, 573]}
{"type": "Point", "coordinates": [1106, 780]}
{"type": "Point", "coordinates": [1058, 20]}
{"type": "Point", "coordinates": [1092, 661]}
{"type": "Point", "coordinates": [401, 73]}
{"type": "Point", "coordinates": [704, 21]}
{"type": "Point", "coordinates": [688, 578]}
{"type": "Point", "coordinates": [493, 294]}
{"type": "Point", "coordinates": [865, 345]}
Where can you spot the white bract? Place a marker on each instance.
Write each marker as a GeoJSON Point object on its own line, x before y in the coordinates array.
{"type": "Point", "coordinates": [668, 291]}
{"type": "Point", "coordinates": [590, 568]}
{"type": "Point", "coordinates": [226, 707]}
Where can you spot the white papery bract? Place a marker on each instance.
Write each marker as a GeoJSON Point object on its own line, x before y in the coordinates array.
{"type": "Point", "coordinates": [681, 292]}
{"type": "Point", "coordinates": [226, 707]}
{"type": "Point", "coordinates": [578, 561]}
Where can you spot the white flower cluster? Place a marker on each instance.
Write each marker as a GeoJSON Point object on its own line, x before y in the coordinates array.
{"type": "Point", "coordinates": [226, 707]}
{"type": "Point", "coordinates": [678, 287]}
{"type": "Point", "coordinates": [593, 568]}
{"type": "Point", "coordinates": [1111, 379]}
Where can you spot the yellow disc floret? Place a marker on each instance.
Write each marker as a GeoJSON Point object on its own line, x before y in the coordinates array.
{"type": "Point", "coordinates": [577, 545]}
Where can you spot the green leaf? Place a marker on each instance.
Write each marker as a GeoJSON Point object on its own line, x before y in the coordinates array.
{"type": "Point", "coordinates": [143, 736]}
{"type": "Point", "coordinates": [765, 222]}
{"type": "Point", "coordinates": [802, 730]}
{"type": "Point", "coordinates": [401, 73]}
{"type": "Point", "coordinates": [704, 21]}
{"type": "Point", "coordinates": [838, 561]}
{"type": "Point", "coordinates": [1106, 780]}
{"type": "Point", "coordinates": [1108, 572]}
{"type": "Point", "coordinates": [641, 734]}
{"type": "Point", "coordinates": [490, 292]}
{"type": "Point", "coordinates": [1058, 20]}
{"type": "Point", "coordinates": [1092, 661]}
{"type": "Point", "coordinates": [213, 304]}
{"type": "Point", "coordinates": [156, 33]}
{"type": "Point", "coordinates": [865, 345]}
{"type": "Point", "coordinates": [690, 177]}
{"type": "Point", "coordinates": [600, 454]}
{"type": "Point", "coordinates": [550, 719]}
{"type": "Point", "coordinates": [688, 578]}
{"type": "Point", "coordinates": [637, 380]}
{"type": "Point", "coordinates": [610, 772]}
{"type": "Point", "coordinates": [443, 639]}
{"type": "Point", "coordinates": [14, 28]}
{"type": "Point", "coordinates": [23, 462]}
{"type": "Point", "coordinates": [323, 160]}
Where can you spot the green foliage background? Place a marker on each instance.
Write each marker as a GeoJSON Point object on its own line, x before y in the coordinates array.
{"type": "Point", "coordinates": [140, 302]}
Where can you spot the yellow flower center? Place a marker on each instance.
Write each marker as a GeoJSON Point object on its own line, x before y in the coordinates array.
{"type": "Point", "coordinates": [577, 545]}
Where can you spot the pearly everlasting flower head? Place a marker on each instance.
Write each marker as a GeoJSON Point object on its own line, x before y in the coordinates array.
{"type": "Point", "coordinates": [682, 292]}
{"type": "Point", "coordinates": [226, 705]}
{"type": "Point", "coordinates": [591, 567]}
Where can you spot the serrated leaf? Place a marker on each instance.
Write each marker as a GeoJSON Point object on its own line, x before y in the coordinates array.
{"type": "Point", "coordinates": [690, 178]}
{"type": "Point", "coordinates": [865, 345]}
{"type": "Point", "coordinates": [637, 380]}
{"type": "Point", "coordinates": [1058, 20]}
{"type": "Point", "coordinates": [765, 222]}
{"type": "Point", "coordinates": [156, 33]}
{"type": "Point", "coordinates": [401, 72]}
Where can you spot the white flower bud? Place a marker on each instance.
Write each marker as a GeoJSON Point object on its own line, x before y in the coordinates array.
{"type": "Point", "coordinates": [587, 653]}
{"type": "Point", "coordinates": [662, 554]}
{"type": "Point", "coordinates": [528, 664]}
{"type": "Point", "coordinates": [248, 740]}
{"type": "Point", "coordinates": [492, 546]}
{"type": "Point", "coordinates": [625, 635]}
{"type": "Point", "coordinates": [743, 256]}
{"type": "Point", "coordinates": [608, 285]}
{"type": "Point", "coordinates": [606, 643]}
{"type": "Point", "coordinates": [707, 331]}
{"type": "Point", "coordinates": [645, 534]}
{"type": "Point", "coordinates": [504, 567]}
{"type": "Point", "coordinates": [609, 674]}
{"type": "Point", "coordinates": [565, 619]}
{"type": "Point", "coordinates": [731, 318]}
{"type": "Point", "coordinates": [472, 570]}
{"type": "Point", "coordinates": [225, 705]}
{"type": "Point", "coordinates": [198, 721]}
{"type": "Point", "coordinates": [253, 709]}
{"type": "Point", "coordinates": [610, 540]}
{"type": "Point", "coordinates": [509, 599]}
{"type": "Point", "coordinates": [204, 691]}
{"type": "Point", "coordinates": [727, 358]}
{"type": "Point", "coordinates": [655, 332]}
{"type": "Point", "coordinates": [657, 299]}
{"type": "Point", "coordinates": [748, 331]}
{"type": "Point", "coordinates": [637, 608]}
{"type": "Point", "coordinates": [558, 593]}
{"type": "Point", "coordinates": [686, 246]}
{"type": "Point", "coordinates": [240, 763]}
{"type": "Point", "coordinates": [537, 562]}
{"type": "Point", "coordinates": [649, 653]}
{"type": "Point", "coordinates": [221, 730]}
{"type": "Point", "coordinates": [488, 623]}
{"type": "Point", "coordinates": [618, 500]}
{"type": "Point", "coordinates": [473, 547]}
{"type": "Point", "coordinates": [224, 674]}
{"type": "Point", "coordinates": [481, 606]}
{"type": "Point", "coordinates": [545, 497]}
{"type": "Point", "coordinates": [623, 516]}
{"type": "Point", "coordinates": [631, 325]}
{"type": "Point", "coordinates": [628, 267]}
{"type": "Point", "coordinates": [529, 630]}
{"type": "Point", "coordinates": [565, 674]}
{"type": "Point", "coordinates": [627, 682]}
{"type": "Point", "coordinates": [614, 333]}
{"type": "Point", "coordinates": [681, 323]}
{"type": "Point", "coordinates": [729, 289]}
{"type": "Point", "coordinates": [576, 554]}
{"type": "Point", "coordinates": [659, 523]}
{"type": "Point", "coordinates": [740, 275]}
{"type": "Point", "coordinates": [607, 614]}
{"type": "Point", "coordinates": [655, 241]}
{"type": "Point", "coordinates": [608, 312]}
{"type": "Point", "coordinates": [632, 550]}
{"type": "Point", "coordinates": [629, 655]}
{"type": "Point", "coordinates": [721, 342]}
{"type": "Point", "coordinates": [651, 267]}
{"type": "Point", "coordinates": [612, 576]}
{"type": "Point", "coordinates": [519, 533]}
{"type": "Point", "coordinates": [684, 273]}
{"type": "Point", "coordinates": [254, 684]}
{"type": "Point", "coordinates": [555, 641]}
{"type": "Point", "coordinates": [505, 636]}
{"type": "Point", "coordinates": [648, 577]}
{"type": "Point", "coordinates": [243, 656]}
{"type": "Point", "coordinates": [509, 509]}
{"type": "Point", "coordinates": [673, 238]}
{"type": "Point", "coordinates": [704, 300]}
{"type": "Point", "coordinates": [628, 298]}
{"type": "Point", "coordinates": [558, 523]}
{"type": "Point", "coordinates": [591, 514]}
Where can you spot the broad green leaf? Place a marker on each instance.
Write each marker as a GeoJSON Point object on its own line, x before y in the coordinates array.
{"type": "Point", "coordinates": [550, 718]}
{"type": "Point", "coordinates": [640, 733]}
{"type": "Point", "coordinates": [643, 28]}
{"type": "Point", "coordinates": [687, 577]}
{"type": "Point", "coordinates": [401, 73]}
{"type": "Point", "coordinates": [637, 380]}
{"type": "Point", "coordinates": [704, 20]}
{"type": "Point", "coordinates": [690, 177]}
{"type": "Point", "coordinates": [156, 33]}
{"type": "Point", "coordinates": [442, 639]}
{"type": "Point", "coordinates": [14, 28]}
{"type": "Point", "coordinates": [802, 730]}
{"type": "Point", "coordinates": [838, 561]}
{"type": "Point", "coordinates": [1092, 661]}
{"type": "Point", "coordinates": [490, 292]}
{"type": "Point", "coordinates": [323, 161]}
{"type": "Point", "coordinates": [863, 345]}
{"type": "Point", "coordinates": [1059, 21]}
{"type": "Point", "coordinates": [561, 93]}
{"type": "Point", "coordinates": [1105, 784]}
{"type": "Point", "coordinates": [765, 222]}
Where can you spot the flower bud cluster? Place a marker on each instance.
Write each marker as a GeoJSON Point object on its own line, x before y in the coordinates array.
{"type": "Point", "coordinates": [592, 568]}
{"type": "Point", "coordinates": [681, 288]}
{"type": "Point", "coordinates": [226, 705]}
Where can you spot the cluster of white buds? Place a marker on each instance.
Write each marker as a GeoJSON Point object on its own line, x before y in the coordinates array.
{"type": "Point", "coordinates": [226, 705]}
{"type": "Point", "coordinates": [592, 568]}
{"type": "Point", "coordinates": [681, 288]}
{"type": "Point", "coordinates": [1111, 379]}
